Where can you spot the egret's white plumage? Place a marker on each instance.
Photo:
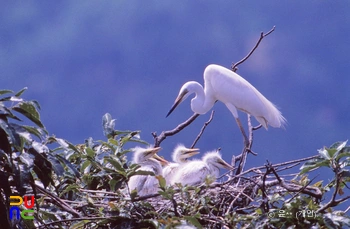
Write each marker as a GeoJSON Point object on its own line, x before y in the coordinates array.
{"type": "Point", "coordinates": [149, 161]}
{"type": "Point", "coordinates": [195, 172]}
{"type": "Point", "coordinates": [234, 91]}
{"type": "Point", "coordinates": [179, 156]}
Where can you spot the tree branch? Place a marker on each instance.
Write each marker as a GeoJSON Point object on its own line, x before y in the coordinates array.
{"type": "Point", "coordinates": [58, 201]}
{"type": "Point", "coordinates": [202, 130]}
{"type": "Point", "coordinates": [262, 35]}
{"type": "Point", "coordinates": [164, 134]}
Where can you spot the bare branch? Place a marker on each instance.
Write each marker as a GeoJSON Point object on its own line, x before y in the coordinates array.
{"type": "Point", "coordinates": [262, 35]}
{"type": "Point", "coordinates": [279, 164]}
{"type": "Point", "coordinates": [59, 202]}
{"type": "Point", "coordinates": [202, 130]}
{"type": "Point", "coordinates": [333, 202]}
{"type": "Point", "coordinates": [247, 148]}
{"type": "Point", "coordinates": [70, 220]}
{"type": "Point", "coordinates": [164, 134]}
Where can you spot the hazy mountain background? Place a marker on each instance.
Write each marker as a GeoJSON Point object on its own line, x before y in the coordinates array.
{"type": "Point", "coordinates": [82, 59]}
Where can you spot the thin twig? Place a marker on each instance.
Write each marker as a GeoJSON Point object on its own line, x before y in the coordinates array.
{"type": "Point", "coordinates": [164, 134]}
{"type": "Point", "coordinates": [262, 35]}
{"type": "Point", "coordinates": [202, 130]}
{"type": "Point", "coordinates": [347, 210]}
{"type": "Point", "coordinates": [247, 149]}
{"type": "Point", "coordinates": [280, 164]}
{"type": "Point", "coordinates": [333, 202]}
{"type": "Point", "coordinates": [69, 220]}
{"type": "Point", "coordinates": [58, 201]}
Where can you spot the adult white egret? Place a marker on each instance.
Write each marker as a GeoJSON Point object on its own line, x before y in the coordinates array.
{"type": "Point", "coordinates": [149, 161]}
{"type": "Point", "coordinates": [195, 172]}
{"type": "Point", "coordinates": [235, 92]}
{"type": "Point", "coordinates": [179, 156]}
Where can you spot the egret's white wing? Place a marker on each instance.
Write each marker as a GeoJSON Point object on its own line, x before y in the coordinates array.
{"type": "Point", "coordinates": [230, 88]}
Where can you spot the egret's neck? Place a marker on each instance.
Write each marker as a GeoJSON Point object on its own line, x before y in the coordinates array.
{"type": "Point", "coordinates": [202, 102]}
{"type": "Point", "coordinates": [214, 169]}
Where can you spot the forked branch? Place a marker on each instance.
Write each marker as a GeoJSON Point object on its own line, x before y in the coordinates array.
{"type": "Point", "coordinates": [164, 134]}
{"type": "Point", "coordinates": [262, 35]}
{"type": "Point", "coordinates": [202, 130]}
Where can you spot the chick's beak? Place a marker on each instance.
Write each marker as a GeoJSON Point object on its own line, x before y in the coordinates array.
{"type": "Point", "coordinates": [153, 151]}
{"type": "Point", "coordinates": [192, 152]}
{"type": "Point", "coordinates": [160, 159]}
{"type": "Point", "coordinates": [226, 165]}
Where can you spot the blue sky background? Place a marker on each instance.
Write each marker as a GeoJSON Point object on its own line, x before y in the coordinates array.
{"type": "Point", "coordinates": [82, 59]}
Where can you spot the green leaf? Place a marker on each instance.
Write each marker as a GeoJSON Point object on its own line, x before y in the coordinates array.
{"type": "Point", "coordinates": [90, 153]}
{"type": "Point", "coordinates": [41, 148]}
{"type": "Point", "coordinates": [18, 94]}
{"type": "Point", "coordinates": [112, 184]}
{"type": "Point", "coordinates": [80, 224]}
{"type": "Point", "coordinates": [116, 164]}
{"type": "Point", "coordinates": [113, 141]}
{"type": "Point", "coordinates": [143, 172]}
{"type": "Point", "coordinates": [318, 184]}
{"type": "Point", "coordinates": [324, 153]}
{"type": "Point", "coordinates": [85, 165]}
{"type": "Point", "coordinates": [56, 165]}
{"type": "Point", "coordinates": [133, 194]}
{"type": "Point", "coordinates": [338, 150]}
{"type": "Point", "coordinates": [27, 160]}
{"type": "Point", "coordinates": [42, 167]}
{"type": "Point", "coordinates": [69, 165]}
{"type": "Point", "coordinates": [22, 178]}
{"type": "Point", "coordinates": [335, 221]}
{"type": "Point", "coordinates": [29, 110]}
{"type": "Point", "coordinates": [5, 92]}
{"type": "Point", "coordinates": [12, 134]}
{"type": "Point", "coordinates": [65, 144]}
{"type": "Point", "coordinates": [38, 132]}
{"type": "Point", "coordinates": [313, 164]}
{"type": "Point", "coordinates": [108, 125]}
{"type": "Point", "coordinates": [194, 221]}
{"type": "Point", "coordinates": [22, 132]}
{"type": "Point", "coordinates": [72, 187]}
{"type": "Point", "coordinates": [5, 112]}
{"type": "Point", "coordinates": [161, 181]}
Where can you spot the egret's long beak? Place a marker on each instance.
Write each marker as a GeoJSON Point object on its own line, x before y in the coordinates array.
{"type": "Point", "coordinates": [162, 161]}
{"type": "Point", "coordinates": [225, 165]}
{"type": "Point", "coordinates": [152, 151]}
{"type": "Point", "coordinates": [178, 100]}
{"type": "Point", "coordinates": [192, 152]}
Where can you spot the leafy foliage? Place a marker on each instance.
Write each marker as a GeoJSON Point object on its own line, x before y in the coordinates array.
{"type": "Point", "coordinates": [85, 185]}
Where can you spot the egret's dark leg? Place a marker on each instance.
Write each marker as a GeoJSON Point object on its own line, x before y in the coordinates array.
{"type": "Point", "coordinates": [245, 138]}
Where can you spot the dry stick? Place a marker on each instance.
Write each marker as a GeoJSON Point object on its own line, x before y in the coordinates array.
{"type": "Point", "coordinates": [58, 201]}
{"type": "Point", "coordinates": [74, 219]}
{"type": "Point", "coordinates": [262, 35]}
{"type": "Point", "coordinates": [164, 134]}
{"type": "Point", "coordinates": [306, 189]}
{"type": "Point", "coordinates": [333, 202]}
{"type": "Point", "coordinates": [246, 149]}
{"type": "Point", "coordinates": [202, 130]}
{"type": "Point", "coordinates": [347, 210]}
